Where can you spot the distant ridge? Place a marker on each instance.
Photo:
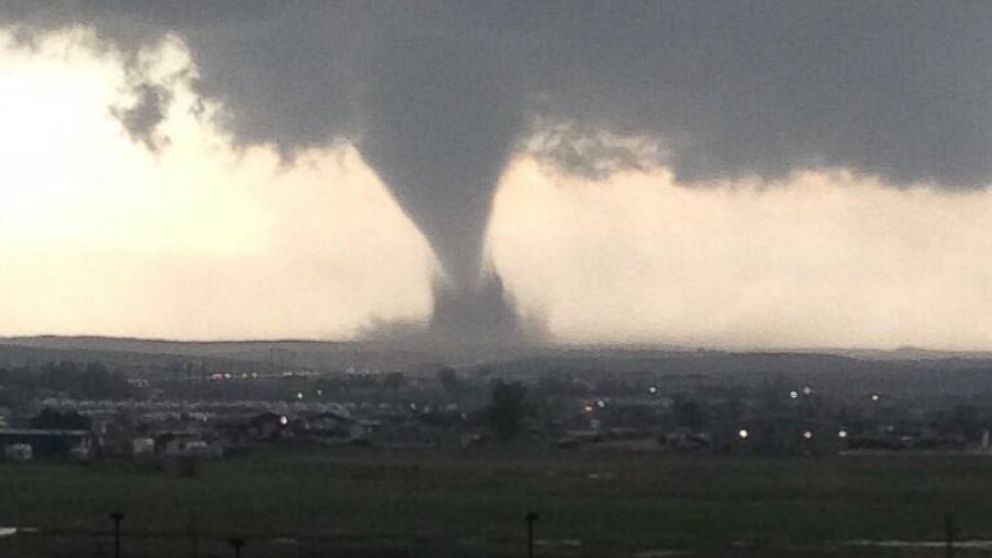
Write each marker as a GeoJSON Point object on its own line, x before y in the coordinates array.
{"type": "Point", "coordinates": [153, 345]}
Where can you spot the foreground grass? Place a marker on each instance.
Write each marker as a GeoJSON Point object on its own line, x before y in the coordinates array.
{"type": "Point", "coordinates": [415, 503]}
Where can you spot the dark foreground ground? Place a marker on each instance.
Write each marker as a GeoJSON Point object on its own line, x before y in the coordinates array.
{"type": "Point", "coordinates": [377, 503]}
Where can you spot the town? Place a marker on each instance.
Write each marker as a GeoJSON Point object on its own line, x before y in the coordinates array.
{"type": "Point", "coordinates": [173, 410]}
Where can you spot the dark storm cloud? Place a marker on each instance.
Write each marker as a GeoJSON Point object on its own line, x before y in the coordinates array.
{"type": "Point", "coordinates": [895, 88]}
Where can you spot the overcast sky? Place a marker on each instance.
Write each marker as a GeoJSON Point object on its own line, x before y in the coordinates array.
{"type": "Point", "coordinates": [746, 174]}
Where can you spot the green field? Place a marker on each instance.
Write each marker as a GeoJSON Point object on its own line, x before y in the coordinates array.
{"type": "Point", "coordinates": [375, 502]}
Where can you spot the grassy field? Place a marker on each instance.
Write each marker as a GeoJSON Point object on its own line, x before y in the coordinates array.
{"type": "Point", "coordinates": [374, 502]}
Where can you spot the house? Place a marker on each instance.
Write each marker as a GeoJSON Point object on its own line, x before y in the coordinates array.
{"type": "Point", "coordinates": [18, 453]}
{"type": "Point", "coordinates": [269, 426]}
{"type": "Point", "coordinates": [142, 446]}
{"type": "Point", "coordinates": [233, 431]}
{"type": "Point", "coordinates": [45, 443]}
{"type": "Point", "coordinates": [331, 424]}
{"type": "Point", "coordinates": [171, 445]}
{"type": "Point", "coordinates": [686, 439]}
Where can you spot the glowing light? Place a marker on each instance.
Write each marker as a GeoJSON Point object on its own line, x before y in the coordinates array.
{"type": "Point", "coordinates": [284, 420]}
{"type": "Point", "coordinates": [842, 434]}
{"type": "Point", "coordinates": [874, 397]}
{"type": "Point", "coordinates": [807, 390]}
{"type": "Point", "coordinates": [601, 404]}
{"type": "Point", "coordinates": [588, 408]}
{"type": "Point", "coordinates": [653, 390]}
{"type": "Point", "coordinates": [743, 433]}
{"type": "Point", "coordinates": [793, 394]}
{"type": "Point", "coordinates": [320, 392]}
{"type": "Point", "coordinates": [808, 435]}
{"type": "Point", "coordinates": [299, 395]}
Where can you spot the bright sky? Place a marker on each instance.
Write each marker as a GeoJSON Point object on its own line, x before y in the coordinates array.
{"type": "Point", "coordinates": [98, 235]}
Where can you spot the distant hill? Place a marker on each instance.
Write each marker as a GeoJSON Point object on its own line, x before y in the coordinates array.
{"type": "Point", "coordinates": [621, 359]}
{"type": "Point", "coordinates": [229, 347]}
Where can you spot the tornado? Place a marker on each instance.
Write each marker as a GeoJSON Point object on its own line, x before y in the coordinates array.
{"type": "Point", "coordinates": [440, 119]}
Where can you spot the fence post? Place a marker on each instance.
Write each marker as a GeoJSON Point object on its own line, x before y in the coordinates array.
{"type": "Point", "coordinates": [530, 518]}
{"type": "Point", "coordinates": [117, 517]}
{"type": "Point", "coordinates": [193, 534]}
{"type": "Point", "coordinates": [237, 543]}
{"type": "Point", "coordinates": [949, 526]}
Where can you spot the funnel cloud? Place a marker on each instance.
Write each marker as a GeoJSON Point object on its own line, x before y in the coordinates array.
{"type": "Point", "coordinates": [439, 121]}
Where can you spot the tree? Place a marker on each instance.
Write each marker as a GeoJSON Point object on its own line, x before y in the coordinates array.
{"type": "Point", "coordinates": [50, 419]}
{"type": "Point", "coordinates": [96, 382]}
{"type": "Point", "coordinates": [394, 381]}
{"type": "Point", "coordinates": [965, 420]}
{"type": "Point", "coordinates": [92, 381]}
{"type": "Point", "coordinates": [506, 408]}
{"type": "Point", "coordinates": [690, 414]}
{"type": "Point", "coordinates": [449, 380]}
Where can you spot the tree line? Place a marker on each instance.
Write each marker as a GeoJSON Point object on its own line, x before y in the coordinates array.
{"type": "Point", "coordinates": [91, 380]}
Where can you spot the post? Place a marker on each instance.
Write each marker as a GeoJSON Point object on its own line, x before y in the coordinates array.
{"type": "Point", "coordinates": [237, 543]}
{"type": "Point", "coordinates": [117, 517]}
{"type": "Point", "coordinates": [530, 518]}
{"type": "Point", "coordinates": [193, 534]}
{"type": "Point", "coordinates": [949, 526]}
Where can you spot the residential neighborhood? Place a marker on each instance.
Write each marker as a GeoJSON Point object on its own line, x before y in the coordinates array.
{"type": "Point", "coordinates": [193, 410]}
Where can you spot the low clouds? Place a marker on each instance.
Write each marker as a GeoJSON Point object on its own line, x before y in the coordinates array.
{"type": "Point", "coordinates": [593, 153]}
{"type": "Point", "coordinates": [141, 119]}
